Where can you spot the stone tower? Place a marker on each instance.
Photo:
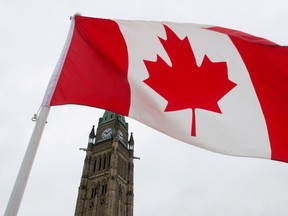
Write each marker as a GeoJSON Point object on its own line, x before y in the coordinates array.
{"type": "Point", "coordinates": [106, 187]}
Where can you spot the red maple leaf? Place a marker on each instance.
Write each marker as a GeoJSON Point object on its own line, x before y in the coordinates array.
{"type": "Point", "coordinates": [184, 84]}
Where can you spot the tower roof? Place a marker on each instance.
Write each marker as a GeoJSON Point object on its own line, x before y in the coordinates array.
{"type": "Point", "coordinates": [92, 133]}
{"type": "Point", "coordinates": [109, 116]}
{"type": "Point", "coordinates": [131, 140]}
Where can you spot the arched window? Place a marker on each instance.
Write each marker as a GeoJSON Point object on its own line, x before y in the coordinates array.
{"type": "Point", "coordinates": [109, 159]}
{"type": "Point", "coordinates": [93, 192]}
{"type": "Point", "coordinates": [95, 164]}
{"type": "Point", "coordinates": [104, 189]}
{"type": "Point", "coordinates": [104, 162]}
{"type": "Point", "coordinates": [99, 164]}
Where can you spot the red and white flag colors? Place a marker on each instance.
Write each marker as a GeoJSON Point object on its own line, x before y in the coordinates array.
{"type": "Point", "coordinates": [219, 89]}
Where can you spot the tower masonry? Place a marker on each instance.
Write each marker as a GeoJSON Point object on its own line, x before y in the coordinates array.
{"type": "Point", "coordinates": [106, 187]}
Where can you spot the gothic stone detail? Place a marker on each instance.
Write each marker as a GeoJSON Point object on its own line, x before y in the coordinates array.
{"type": "Point", "coordinates": [106, 187]}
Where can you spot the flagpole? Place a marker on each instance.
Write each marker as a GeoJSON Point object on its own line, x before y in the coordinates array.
{"type": "Point", "coordinates": [23, 174]}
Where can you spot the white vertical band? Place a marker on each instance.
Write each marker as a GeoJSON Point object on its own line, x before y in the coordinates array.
{"type": "Point", "coordinates": [57, 71]}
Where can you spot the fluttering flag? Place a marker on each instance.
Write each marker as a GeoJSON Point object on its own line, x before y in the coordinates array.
{"type": "Point", "coordinates": [215, 88]}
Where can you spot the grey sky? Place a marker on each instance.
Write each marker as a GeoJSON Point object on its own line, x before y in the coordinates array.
{"type": "Point", "coordinates": [172, 178]}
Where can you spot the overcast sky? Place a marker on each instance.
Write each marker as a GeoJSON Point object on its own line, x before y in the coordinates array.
{"type": "Point", "coordinates": [172, 178]}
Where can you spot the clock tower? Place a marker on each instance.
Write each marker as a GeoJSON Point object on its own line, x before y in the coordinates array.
{"type": "Point", "coordinates": [106, 187]}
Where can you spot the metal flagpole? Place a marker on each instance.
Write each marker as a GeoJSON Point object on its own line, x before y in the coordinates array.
{"type": "Point", "coordinates": [23, 174]}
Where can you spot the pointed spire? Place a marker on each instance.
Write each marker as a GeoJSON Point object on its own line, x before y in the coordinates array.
{"type": "Point", "coordinates": [131, 142]}
{"type": "Point", "coordinates": [92, 135]}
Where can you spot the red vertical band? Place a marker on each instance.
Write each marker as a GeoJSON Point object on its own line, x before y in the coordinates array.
{"type": "Point", "coordinates": [95, 70]}
{"type": "Point", "coordinates": [268, 69]}
{"type": "Point", "coordinates": [267, 64]}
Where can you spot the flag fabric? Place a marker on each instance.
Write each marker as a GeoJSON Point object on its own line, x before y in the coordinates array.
{"type": "Point", "coordinates": [215, 88]}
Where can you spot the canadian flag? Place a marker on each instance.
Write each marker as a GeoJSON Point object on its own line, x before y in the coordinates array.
{"type": "Point", "coordinates": [215, 88]}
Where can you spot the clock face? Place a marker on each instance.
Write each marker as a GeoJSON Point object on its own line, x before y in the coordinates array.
{"type": "Point", "coordinates": [120, 135]}
{"type": "Point", "coordinates": [106, 133]}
